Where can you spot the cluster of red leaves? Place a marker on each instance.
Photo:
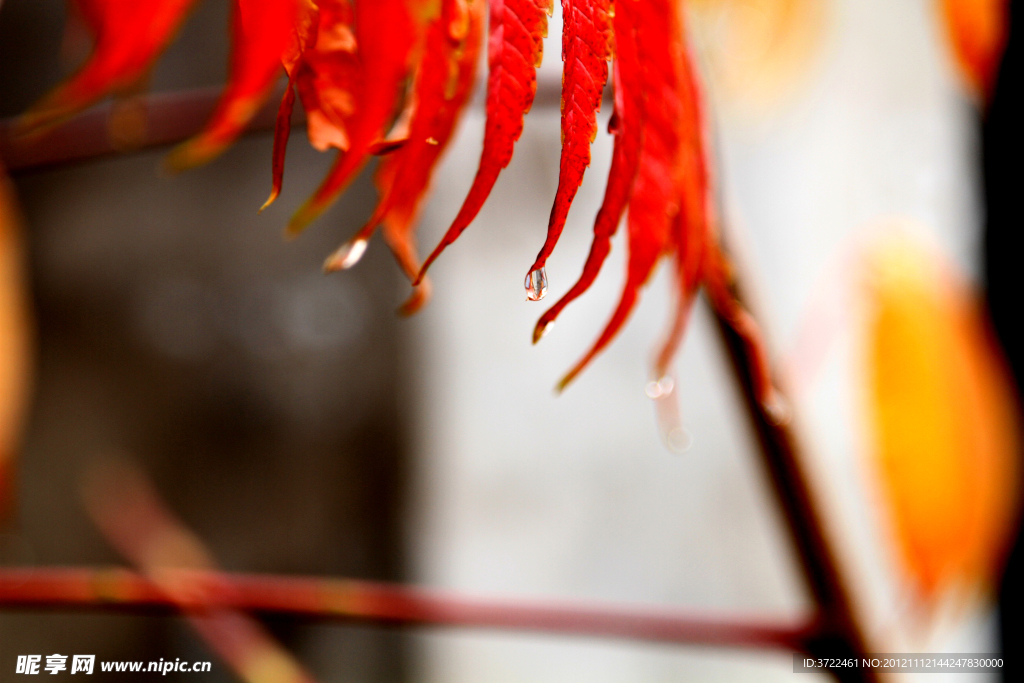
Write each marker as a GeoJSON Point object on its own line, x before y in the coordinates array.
{"type": "Point", "coordinates": [391, 77]}
{"type": "Point", "coordinates": [660, 173]}
{"type": "Point", "coordinates": [659, 170]}
{"type": "Point", "coordinates": [129, 35]}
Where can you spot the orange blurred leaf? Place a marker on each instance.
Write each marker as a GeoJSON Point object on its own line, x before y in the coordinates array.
{"type": "Point", "coordinates": [945, 418]}
{"type": "Point", "coordinates": [977, 31]}
{"type": "Point", "coordinates": [15, 342]}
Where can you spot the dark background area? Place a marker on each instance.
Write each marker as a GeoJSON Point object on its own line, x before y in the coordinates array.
{"type": "Point", "coordinates": [267, 402]}
{"type": "Point", "coordinates": [1002, 163]}
{"type": "Point", "coordinates": [177, 328]}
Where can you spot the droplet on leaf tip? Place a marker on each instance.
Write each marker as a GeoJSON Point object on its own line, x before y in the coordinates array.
{"type": "Point", "coordinates": [346, 256]}
{"type": "Point", "coordinates": [662, 387]}
{"type": "Point", "coordinates": [678, 440]}
{"type": "Point", "coordinates": [670, 422]}
{"type": "Point", "coordinates": [777, 408]}
{"type": "Point", "coordinates": [536, 284]}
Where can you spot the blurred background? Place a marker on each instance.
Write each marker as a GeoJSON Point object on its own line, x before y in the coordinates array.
{"type": "Point", "coordinates": [299, 426]}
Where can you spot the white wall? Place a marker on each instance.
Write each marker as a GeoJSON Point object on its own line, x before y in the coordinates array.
{"type": "Point", "coordinates": [520, 492]}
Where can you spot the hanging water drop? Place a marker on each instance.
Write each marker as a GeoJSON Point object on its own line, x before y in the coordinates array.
{"type": "Point", "coordinates": [659, 388]}
{"type": "Point", "coordinates": [346, 256]}
{"type": "Point", "coordinates": [536, 284]}
{"type": "Point", "coordinates": [678, 440]}
{"type": "Point", "coordinates": [776, 407]}
{"type": "Point", "coordinates": [670, 421]}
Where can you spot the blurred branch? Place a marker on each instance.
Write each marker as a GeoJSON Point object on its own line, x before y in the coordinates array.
{"type": "Point", "coordinates": [347, 599]}
{"type": "Point", "coordinates": [16, 345]}
{"type": "Point", "coordinates": [840, 634]}
{"type": "Point", "coordinates": [131, 516]}
{"type": "Point", "coordinates": [170, 118]}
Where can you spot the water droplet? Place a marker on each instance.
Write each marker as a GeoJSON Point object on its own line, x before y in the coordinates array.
{"type": "Point", "coordinates": [678, 440]}
{"type": "Point", "coordinates": [346, 256]}
{"type": "Point", "coordinates": [536, 284]}
{"type": "Point", "coordinates": [777, 408]}
{"type": "Point", "coordinates": [662, 387]}
{"type": "Point", "coordinates": [670, 421]}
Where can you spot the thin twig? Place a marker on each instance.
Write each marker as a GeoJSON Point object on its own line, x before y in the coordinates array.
{"type": "Point", "coordinates": [170, 118]}
{"type": "Point", "coordinates": [128, 511]}
{"type": "Point", "coordinates": [840, 634]}
{"type": "Point", "coordinates": [347, 599]}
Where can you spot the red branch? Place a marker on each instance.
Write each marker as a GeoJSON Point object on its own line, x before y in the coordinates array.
{"type": "Point", "coordinates": [171, 118]}
{"type": "Point", "coordinates": [840, 633]}
{"type": "Point", "coordinates": [346, 599]}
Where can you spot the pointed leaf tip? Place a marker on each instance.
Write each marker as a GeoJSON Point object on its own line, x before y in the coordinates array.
{"type": "Point", "coordinates": [586, 49]}
{"type": "Point", "coordinates": [270, 200]}
{"type": "Point", "coordinates": [515, 48]}
{"type": "Point", "coordinates": [417, 300]}
{"type": "Point", "coordinates": [541, 329]}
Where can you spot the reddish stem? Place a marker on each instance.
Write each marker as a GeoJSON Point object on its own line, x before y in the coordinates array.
{"type": "Point", "coordinates": [346, 599]}
{"type": "Point", "coordinates": [171, 118]}
{"type": "Point", "coordinates": [840, 634]}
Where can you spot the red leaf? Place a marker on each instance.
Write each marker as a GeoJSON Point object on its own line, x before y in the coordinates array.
{"type": "Point", "coordinates": [627, 127]}
{"type": "Point", "coordinates": [671, 209]}
{"type": "Point", "coordinates": [303, 37]}
{"type": "Point", "coordinates": [261, 30]}
{"type": "Point", "coordinates": [326, 74]}
{"type": "Point", "coordinates": [385, 34]}
{"type": "Point", "coordinates": [514, 51]}
{"type": "Point", "coordinates": [443, 85]}
{"type": "Point", "coordinates": [654, 200]}
{"type": "Point", "coordinates": [129, 36]}
{"type": "Point", "coordinates": [586, 48]}
{"type": "Point", "coordinates": [698, 255]}
{"type": "Point", "coordinates": [692, 229]}
{"type": "Point", "coordinates": [282, 131]}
